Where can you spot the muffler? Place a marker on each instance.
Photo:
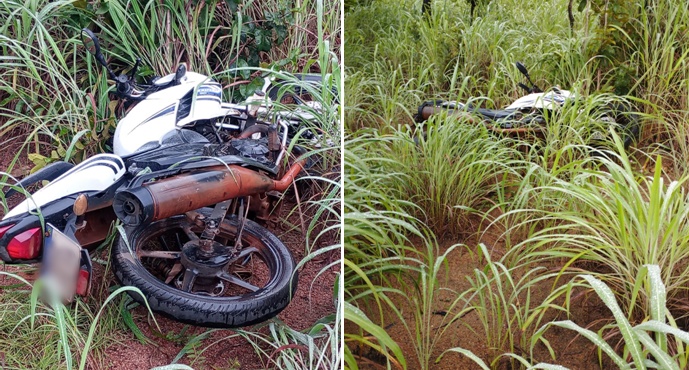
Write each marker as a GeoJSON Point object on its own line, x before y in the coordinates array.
{"type": "Point", "coordinates": [189, 191]}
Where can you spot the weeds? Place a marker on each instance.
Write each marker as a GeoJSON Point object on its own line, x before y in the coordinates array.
{"type": "Point", "coordinates": [55, 105]}
{"type": "Point", "coordinates": [575, 200]}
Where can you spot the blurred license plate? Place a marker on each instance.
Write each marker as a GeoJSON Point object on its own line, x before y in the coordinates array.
{"type": "Point", "coordinates": [61, 260]}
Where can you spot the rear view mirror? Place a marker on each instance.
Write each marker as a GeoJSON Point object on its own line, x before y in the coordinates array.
{"type": "Point", "coordinates": [522, 69]}
{"type": "Point", "coordinates": [91, 43]}
{"type": "Point", "coordinates": [181, 71]}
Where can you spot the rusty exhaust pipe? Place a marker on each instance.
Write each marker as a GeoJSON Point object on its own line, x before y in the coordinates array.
{"type": "Point", "coordinates": [189, 191]}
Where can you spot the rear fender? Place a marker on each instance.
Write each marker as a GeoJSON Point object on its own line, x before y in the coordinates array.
{"type": "Point", "coordinates": [94, 175]}
{"type": "Point", "coordinates": [96, 226]}
{"type": "Point", "coordinates": [97, 178]}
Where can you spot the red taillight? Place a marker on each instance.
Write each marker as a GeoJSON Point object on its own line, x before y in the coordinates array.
{"type": "Point", "coordinates": [83, 283]}
{"type": "Point", "coordinates": [26, 245]}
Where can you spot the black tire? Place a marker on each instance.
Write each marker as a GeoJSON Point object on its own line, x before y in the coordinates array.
{"type": "Point", "coordinates": [626, 121]}
{"type": "Point", "coordinates": [219, 312]}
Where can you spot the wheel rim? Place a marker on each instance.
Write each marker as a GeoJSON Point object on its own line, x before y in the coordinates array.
{"type": "Point", "coordinates": [161, 251]}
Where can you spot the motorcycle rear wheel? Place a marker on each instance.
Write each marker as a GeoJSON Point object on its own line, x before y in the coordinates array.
{"type": "Point", "coordinates": [273, 285]}
{"type": "Point", "coordinates": [625, 122]}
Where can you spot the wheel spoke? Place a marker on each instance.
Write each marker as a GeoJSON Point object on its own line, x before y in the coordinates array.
{"type": "Point", "coordinates": [163, 242]}
{"type": "Point", "coordinates": [189, 278]}
{"type": "Point", "coordinates": [174, 271]}
{"type": "Point", "coordinates": [159, 254]}
{"type": "Point", "coordinates": [236, 281]}
{"type": "Point", "coordinates": [243, 254]}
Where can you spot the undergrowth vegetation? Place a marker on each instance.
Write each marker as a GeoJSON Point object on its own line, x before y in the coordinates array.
{"type": "Point", "coordinates": [459, 240]}
{"type": "Point", "coordinates": [56, 104]}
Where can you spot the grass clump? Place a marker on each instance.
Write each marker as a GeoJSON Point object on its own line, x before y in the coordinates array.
{"type": "Point", "coordinates": [620, 221]}
{"type": "Point", "coordinates": [451, 170]}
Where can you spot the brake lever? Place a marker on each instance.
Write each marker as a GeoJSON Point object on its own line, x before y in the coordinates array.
{"type": "Point", "coordinates": [528, 90]}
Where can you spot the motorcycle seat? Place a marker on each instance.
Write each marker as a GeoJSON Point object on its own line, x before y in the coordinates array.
{"type": "Point", "coordinates": [497, 114]}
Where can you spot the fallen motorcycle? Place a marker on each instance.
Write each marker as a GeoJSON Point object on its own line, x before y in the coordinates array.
{"type": "Point", "coordinates": [187, 176]}
{"type": "Point", "coordinates": [526, 116]}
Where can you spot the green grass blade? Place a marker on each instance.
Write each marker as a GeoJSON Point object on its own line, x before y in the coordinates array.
{"type": "Point", "coordinates": [595, 339]}
{"type": "Point", "coordinates": [468, 354]}
{"type": "Point", "coordinates": [608, 297]}
{"type": "Point", "coordinates": [358, 317]}
{"type": "Point", "coordinates": [661, 356]}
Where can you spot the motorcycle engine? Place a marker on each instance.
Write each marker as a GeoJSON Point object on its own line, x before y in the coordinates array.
{"type": "Point", "coordinates": [256, 149]}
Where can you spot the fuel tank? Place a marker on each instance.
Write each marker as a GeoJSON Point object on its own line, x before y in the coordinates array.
{"type": "Point", "coordinates": [145, 125]}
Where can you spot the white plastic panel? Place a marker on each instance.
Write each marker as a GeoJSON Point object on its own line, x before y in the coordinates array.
{"type": "Point", "coordinates": [95, 174]}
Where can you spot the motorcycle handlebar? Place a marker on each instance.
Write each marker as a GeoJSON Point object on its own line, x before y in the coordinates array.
{"type": "Point", "coordinates": [132, 73]}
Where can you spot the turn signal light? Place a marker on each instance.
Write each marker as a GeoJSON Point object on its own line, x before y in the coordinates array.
{"type": "Point", "coordinates": [26, 245]}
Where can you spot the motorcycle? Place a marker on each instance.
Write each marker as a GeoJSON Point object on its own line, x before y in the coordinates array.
{"type": "Point", "coordinates": [527, 115]}
{"type": "Point", "coordinates": [187, 175]}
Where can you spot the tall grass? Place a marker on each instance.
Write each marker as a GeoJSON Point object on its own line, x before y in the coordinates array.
{"type": "Point", "coordinates": [54, 103]}
{"type": "Point", "coordinates": [377, 236]}
{"type": "Point", "coordinates": [69, 338]}
{"type": "Point", "coordinates": [37, 85]}
{"type": "Point", "coordinates": [662, 351]}
{"type": "Point", "coordinates": [566, 200]}
{"type": "Point", "coordinates": [621, 221]}
{"type": "Point", "coordinates": [451, 169]}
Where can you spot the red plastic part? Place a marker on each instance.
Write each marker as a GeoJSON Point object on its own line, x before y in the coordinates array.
{"type": "Point", "coordinates": [83, 283]}
{"type": "Point", "coordinates": [3, 230]}
{"type": "Point", "coordinates": [26, 245]}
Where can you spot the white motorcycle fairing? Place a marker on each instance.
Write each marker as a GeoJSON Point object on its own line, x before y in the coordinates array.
{"type": "Point", "coordinates": [549, 100]}
{"type": "Point", "coordinates": [94, 174]}
{"type": "Point", "coordinates": [157, 115]}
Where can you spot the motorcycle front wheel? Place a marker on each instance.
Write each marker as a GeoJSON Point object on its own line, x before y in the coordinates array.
{"type": "Point", "coordinates": [254, 285]}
